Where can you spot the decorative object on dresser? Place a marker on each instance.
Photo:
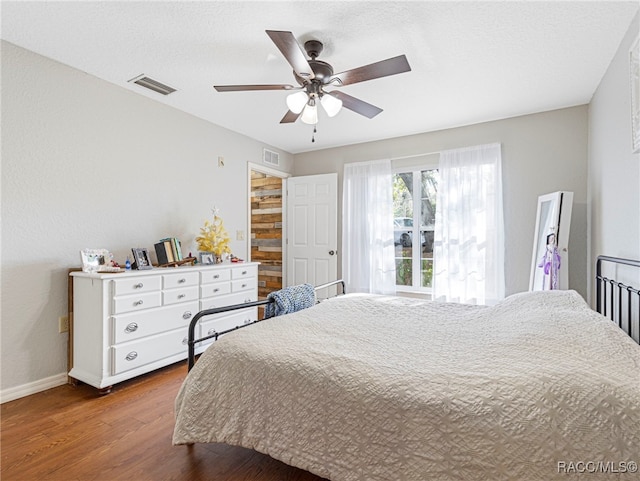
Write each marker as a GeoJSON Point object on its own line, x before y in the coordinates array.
{"type": "Point", "coordinates": [141, 259]}
{"type": "Point", "coordinates": [131, 323]}
{"type": "Point", "coordinates": [169, 253]}
{"type": "Point", "coordinates": [97, 260]}
{"type": "Point", "coordinates": [214, 238]}
{"type": "Point", "coordinates": [207, 258]}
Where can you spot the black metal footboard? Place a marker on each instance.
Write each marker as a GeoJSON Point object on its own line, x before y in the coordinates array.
{"type": "Point", "coordinates": [192, 341]}
{"type": "Point", "coordinates": [616, 300]}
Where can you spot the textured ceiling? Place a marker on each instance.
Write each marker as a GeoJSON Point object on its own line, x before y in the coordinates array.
{"type": "Point", "coordinates": [471, 61]}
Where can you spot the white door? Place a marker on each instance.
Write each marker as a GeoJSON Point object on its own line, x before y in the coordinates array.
{"type": "Point", "coordinates": [312, 237]}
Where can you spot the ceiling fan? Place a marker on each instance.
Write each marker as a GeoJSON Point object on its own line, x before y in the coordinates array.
{"type": "Point", "coordinates": [314, 76]}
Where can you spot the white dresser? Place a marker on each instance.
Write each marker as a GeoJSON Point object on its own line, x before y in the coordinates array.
{"type": "Point", "coordinates": [127, 324]}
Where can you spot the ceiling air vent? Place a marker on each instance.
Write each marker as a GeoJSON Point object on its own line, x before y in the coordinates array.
{"type": "Point", "coordinates": [270, 157]}
{"type": "Point", "coordinates": [151, 84]}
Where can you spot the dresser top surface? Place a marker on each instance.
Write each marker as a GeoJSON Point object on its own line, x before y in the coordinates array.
{"type": "Point", "coordinates": [160, 270]}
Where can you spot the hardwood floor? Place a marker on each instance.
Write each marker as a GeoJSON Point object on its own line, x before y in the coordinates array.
{"type": "Point", "coordinates": [69, 433]}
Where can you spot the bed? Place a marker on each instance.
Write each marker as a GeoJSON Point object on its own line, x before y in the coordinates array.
{"type": "Point", "coordinates": [366, 387]}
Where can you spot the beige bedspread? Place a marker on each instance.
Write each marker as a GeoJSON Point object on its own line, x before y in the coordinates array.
{"type": "Point", "coordinates": [378, 388]}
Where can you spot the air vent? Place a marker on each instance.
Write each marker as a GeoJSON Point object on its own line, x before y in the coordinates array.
{"type": "Point", "coordinates": [151, 84]}
{"type": "Point", "coordinates": [270, 157]}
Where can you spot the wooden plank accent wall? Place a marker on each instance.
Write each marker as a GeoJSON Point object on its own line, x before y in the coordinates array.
{"type": "Point", "coordinates": [266, 231]}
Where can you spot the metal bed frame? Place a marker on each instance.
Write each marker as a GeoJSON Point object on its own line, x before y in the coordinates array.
{"type": "Point", "coordinates": [192, 341]}
{"type": "Point", "coordinates": [617, 301]}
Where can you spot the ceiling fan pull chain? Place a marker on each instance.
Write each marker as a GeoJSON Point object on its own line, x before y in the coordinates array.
{"type": "Point", "coordinates": [313, 137]}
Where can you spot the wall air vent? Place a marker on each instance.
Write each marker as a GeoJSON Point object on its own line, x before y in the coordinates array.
{"type": "Point", "coordinates": [270, 157]}
{"type": "Point", "coordinates": [151, 84]}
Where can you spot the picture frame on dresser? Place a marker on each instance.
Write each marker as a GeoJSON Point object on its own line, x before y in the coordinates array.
{"type": "Point", "coordinates": [141, 259]}
{"type": "Point", "coordinates": [207, 258]}
{"type": "Point", "coordinates": [94, 259]}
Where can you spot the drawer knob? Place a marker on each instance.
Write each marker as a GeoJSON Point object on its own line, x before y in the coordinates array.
{"type": "Point", "coordinates": [131, 356]}
{"type": "Point", "coordinates": [244, 285]}
{"type": "Point", "coordinates": [132, 327]}
{"type": "Point", "coordinates": [139, 285]}
{"type": "Point", "coordinates": [186, 315]}
{"type": "Point", "coordinates": [182, 281]}
{"type": "Point", "coordinates": [217, 276]}
{"type": "Point", "coordinates": [211, 332]}
{"type": "Point", "coordinates": [185, 340]}
{"type": "Point", "coordinates": [244, 273]}
{"type": "Point", "coordinates": [216, 289]}
{"type": "Point", "coordinates": [181, 296]}
{"type": "Point", "coordinates": [138, 303]}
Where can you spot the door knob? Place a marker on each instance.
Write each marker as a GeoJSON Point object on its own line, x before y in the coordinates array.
{"type": "Point", "coordinates": [332, 252]}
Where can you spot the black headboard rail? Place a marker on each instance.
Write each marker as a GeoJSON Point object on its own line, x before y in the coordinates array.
{"type": "Point", "coordinates": [616, 300]}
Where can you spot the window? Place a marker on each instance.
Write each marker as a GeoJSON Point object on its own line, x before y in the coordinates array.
{"type": "Point", "coordinates": [414, 211]}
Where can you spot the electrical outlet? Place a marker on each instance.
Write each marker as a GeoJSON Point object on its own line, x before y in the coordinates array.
{"type": "Point", "coordinates": [63, 324]}
{"type": "Point", "coordinates": [239, 235]}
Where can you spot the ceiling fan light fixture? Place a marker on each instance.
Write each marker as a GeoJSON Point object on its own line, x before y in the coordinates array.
{"type": "Point", "coordinates": [310, 113]}
{"type": "Point", "coordinates": [297, 101]}
{"type": "Point", "coordinates": [331, 104]}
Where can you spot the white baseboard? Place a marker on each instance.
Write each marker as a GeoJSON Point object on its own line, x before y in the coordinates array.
{"type": "Point", "coordinates": [17, 392]}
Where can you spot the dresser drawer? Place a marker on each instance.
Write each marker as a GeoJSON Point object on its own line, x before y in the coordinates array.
{"type": "Point", "coordinates": [135, 285]}
{"type": "Point", "coordinates": [181, 279]}
{"type": "Point", "coordinates": [173, 296]}
{"type": "Point", "coordinates": [129, 327]}
{"type": "Point", "coordinates": [243, 285]}
{"type": "Point", "coordinates": [224, 323]}
{"type": "Point", "coordinates": [144, 300]}
{"type": "Point", "coordinates": [228, 300]}
{"type": "Point", "coordinates": [244, 271]}
{"type": "Point", "coordinates": [215, 275]}
{"type": "Point", "coordinates": [211, 290]}
{"type": "Point", "coordinates": [134, 354]}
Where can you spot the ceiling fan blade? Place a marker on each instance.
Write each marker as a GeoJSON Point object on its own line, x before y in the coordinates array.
{"type": "Point", "coordinates": [290, 48]}
{"type": "Point", "coordinates": [358, 106]}
{"type": "Point", "coordinates": [290, 117]}
{"type": "Point", "coordinates": [240, 88]}
{"type": "Point", "coordinates": [384, 68]}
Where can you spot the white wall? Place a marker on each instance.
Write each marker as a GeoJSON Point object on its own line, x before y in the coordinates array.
{"type": "Point", "coordinates": [541, 153]}
{"type": "Point", "coordinates": [614, 170]}
{"type": "Point", "coordinates": [86, 163]}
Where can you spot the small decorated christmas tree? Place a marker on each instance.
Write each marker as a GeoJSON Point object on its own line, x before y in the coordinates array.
{"type": "Point", "coordinates": [213, 236]}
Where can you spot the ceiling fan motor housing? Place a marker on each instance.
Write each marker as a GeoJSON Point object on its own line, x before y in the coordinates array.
{"type": "Point", "coordinates": [313, 48]}
{"type": "Point", "coordinates": [322, 72]}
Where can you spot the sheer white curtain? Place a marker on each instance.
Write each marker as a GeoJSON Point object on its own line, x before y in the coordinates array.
{"type": "Point", "coordinates": [368, 255]}
{"type": "Point", "coordinates": [469, 232]}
